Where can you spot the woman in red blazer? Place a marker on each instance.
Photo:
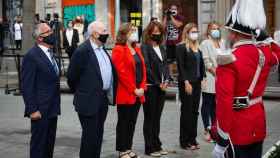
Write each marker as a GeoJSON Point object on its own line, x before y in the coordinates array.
{"type": "Point", "coordinates": [131, 71]}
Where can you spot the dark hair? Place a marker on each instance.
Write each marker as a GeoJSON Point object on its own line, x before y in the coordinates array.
{"type": "Point", "coordinates": [124, 29]}
{"type": "Point", "coordinates": [171, 5]}
{"type": "Point", "coordinates": [55, 15]}
{"type": "Point", "coordinates": [150, 28]}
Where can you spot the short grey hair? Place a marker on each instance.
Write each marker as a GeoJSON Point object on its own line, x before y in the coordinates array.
{"type": "Point", "coordinates": [93, 27]}
{"type": "Point", "coordinates": [38, 30]}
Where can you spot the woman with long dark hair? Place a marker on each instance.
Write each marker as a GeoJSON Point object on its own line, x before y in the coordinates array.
{"type": "Point", "coordinates": [157, 80]}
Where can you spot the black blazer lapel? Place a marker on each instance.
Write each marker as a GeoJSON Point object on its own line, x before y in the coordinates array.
{"type": "Point", "coordinates": [95, 61]}
{"type": "Point", "coordinates": [44, 57]}
{"type": "Point", "coordinates": [163, 53]}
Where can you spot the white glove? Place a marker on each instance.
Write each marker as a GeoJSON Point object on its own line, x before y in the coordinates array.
{"type": "Point", "coordinates": [219, 151]}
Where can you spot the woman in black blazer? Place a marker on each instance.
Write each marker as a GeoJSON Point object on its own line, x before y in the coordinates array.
{"type": "Point", "coordinates": [157, 78]}
{"type": "Point", "coordinates": [191, 73]}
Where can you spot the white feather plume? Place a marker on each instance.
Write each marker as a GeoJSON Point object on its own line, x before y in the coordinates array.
{"type": "Point", "coordinates": [251, 13]}
{"type": "Point", "coordinates": [233, 13]}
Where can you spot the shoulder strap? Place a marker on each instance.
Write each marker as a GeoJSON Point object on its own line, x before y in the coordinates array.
{"type": "Point", "coordinates": [257, 73]}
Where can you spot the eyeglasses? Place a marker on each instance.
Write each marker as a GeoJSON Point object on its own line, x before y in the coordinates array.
{"type": "Point", "coordinates": [194, 32]}
{"type": "Point", "coordinates": [49, 31]}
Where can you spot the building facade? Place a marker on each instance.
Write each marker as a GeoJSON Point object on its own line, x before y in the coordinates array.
{"type": "Point", "coordinates": [139, 12]}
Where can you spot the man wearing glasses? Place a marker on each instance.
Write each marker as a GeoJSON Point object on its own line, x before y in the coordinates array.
{"type": "Point", "coordinates": [40, 89]}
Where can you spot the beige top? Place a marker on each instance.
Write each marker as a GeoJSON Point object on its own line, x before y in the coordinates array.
{"type": "Point", "coordinates": [210, 53]}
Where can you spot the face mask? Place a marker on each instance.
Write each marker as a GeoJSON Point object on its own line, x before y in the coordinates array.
{"type": "Point", "coordinates": [133, 37]}
{"type": "Point", "coordinates": [103, 38]}
{"type": "Point", "coordinates": [174, 12]}
{"type": "Point", "coordinates": [193, 36]}
{"type": "Point", "coordinates": [216, 34]}
{"type": "Point", "coordinates": [50, 40]}
{"type": "Point", "coordinates": [70, 25]}
{"type": "Point", "coordinates": [156, 37]}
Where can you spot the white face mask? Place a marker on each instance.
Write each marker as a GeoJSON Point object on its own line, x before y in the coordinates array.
{"type": "Point", "coordinates": [133, 37]}
{"type": "Point", "coordinates": [193, 36]}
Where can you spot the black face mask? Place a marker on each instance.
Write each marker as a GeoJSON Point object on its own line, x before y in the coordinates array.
{"type": "Point", "coordinates": [156, 37]}
{"type": "Point", "coordinates": [103, 38]}
{"type": "Point", "coordinates": [50, 40]}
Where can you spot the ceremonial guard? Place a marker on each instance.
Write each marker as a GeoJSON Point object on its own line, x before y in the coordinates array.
{"type": "Point", "coordinates": [240, 84]}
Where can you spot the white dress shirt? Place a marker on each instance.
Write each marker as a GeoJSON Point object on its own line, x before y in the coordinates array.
{"type": "Point", "coordinates": [18, 31]}
{"type": "Point", "coordinates": [48, 54]}
{"type": "Point", "coordinates": [69, 35]}
{"type": "Point", "coordinates": [104, 65]}
{"type": "Point", "coordinates": [158, 52]}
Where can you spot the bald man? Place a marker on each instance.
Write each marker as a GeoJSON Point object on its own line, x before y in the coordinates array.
{"type": "Point", "coordinates": [40, 89]}
{"type": "Point", "coordinates": [92, 77]}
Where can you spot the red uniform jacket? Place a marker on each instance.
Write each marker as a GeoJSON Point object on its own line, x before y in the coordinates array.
{"type": "Point", "coordinates": [125, 66]}
{"type": "Point", "coordinates": [245, 126]}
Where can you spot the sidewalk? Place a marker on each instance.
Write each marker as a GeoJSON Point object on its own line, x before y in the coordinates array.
{"type": "Point", "coordinates": [14, 131]}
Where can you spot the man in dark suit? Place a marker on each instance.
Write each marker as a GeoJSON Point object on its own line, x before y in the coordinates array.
{"type": "Point", "coordinates": [70, 39]}
{"type": "Point", "coordinates": [92, 77]}
{"type": "Point", "coordinates": [40, 89]}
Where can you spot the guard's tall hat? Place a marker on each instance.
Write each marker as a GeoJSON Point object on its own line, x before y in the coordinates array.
{"type": "Point", "coordinates": [246, 16]}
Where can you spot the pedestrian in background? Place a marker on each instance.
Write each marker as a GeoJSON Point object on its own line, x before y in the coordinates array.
{"type": "Point", "coordinates": [92, 77]}
{"type": "Point", "coordinates": [18, 32]}
{"type": "Point", "coordinates": [57, 28]}
{"type": "Point", "coordinates": [210, 48]}
{"type": "Point", "coordinates": [79, 25]}
{"type": "Point", "coordinates": [191, 73]}
{"type": "Point", "coordinates": [130, 66]}
{"type": "Point", "coordinates": [173, 23]}
{"type": "Point", "coordinates": [41, 93]}
{"type": "Point", "coordinates": [70, 39]}
{"type": "Point", "coordinates": [157, 80]}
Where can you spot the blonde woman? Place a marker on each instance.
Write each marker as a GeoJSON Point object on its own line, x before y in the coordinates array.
{"type": "Point", "coordinates": [210, 47]}
{"type": "Point", "coordinates": [191, 73]}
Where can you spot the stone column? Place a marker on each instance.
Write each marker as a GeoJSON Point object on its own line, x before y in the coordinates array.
{"type": "Point", "coordinates": [277, 15]}
{"type": "Point", "coordinates": [146, 12]}
{"type": "Point", "coordinates": [28, 24]}
{"type": "Point", "coordinates": [1, 8]}
{"type": "Point", "coordinates": [157, 9]}
{"type": "Point", "coordinates": [117, 15]}
{"type": "Point", "coordinates": [101, 11]}
{"type": "Point", "coordinates": [223, 9]}
{"type": "Point", "coordinates": [40, 8]}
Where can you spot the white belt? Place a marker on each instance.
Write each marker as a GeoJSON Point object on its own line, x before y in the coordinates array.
{"type": "Point", "coordinates": [255, 101]}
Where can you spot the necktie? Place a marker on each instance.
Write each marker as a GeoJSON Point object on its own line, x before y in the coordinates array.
{"type": "Point", "coordinates": [53, 62]}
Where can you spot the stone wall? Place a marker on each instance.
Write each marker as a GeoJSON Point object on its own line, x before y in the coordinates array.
{"type": "Point", "coordinates": [28, 24]}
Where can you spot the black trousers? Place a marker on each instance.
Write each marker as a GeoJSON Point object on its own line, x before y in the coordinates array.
{"type": "Point", "coordinates": [92, 133]}
{"type": "Point", "coordinates": [127, 117]}
{"type": "Point", "coordinates": [18, 44]}
{"type": "Point", "coordinates": [208, 109]}
{"type": "Point", "coordinates": [246, 151]}
{"type": "Point", "coordinates": [70, 51]}
{"type": "Point", "coordinates": [189, 113]}
{"type": "Point", "coordinates": [153, 107]}
{"type": "Point", "coordinates": [171, 53]}
{"type": "Point", "coordinates": [43, 134]}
